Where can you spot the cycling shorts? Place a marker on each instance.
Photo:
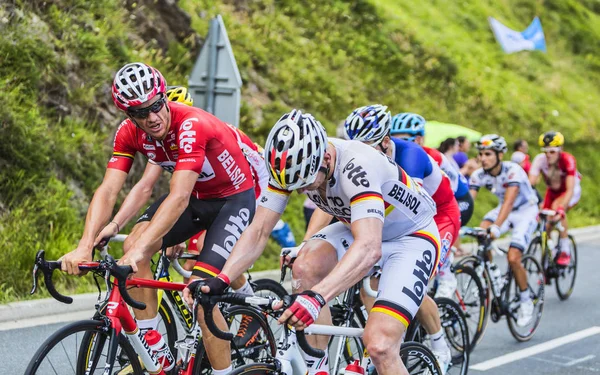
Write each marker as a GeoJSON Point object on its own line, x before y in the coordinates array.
{"type": "Point", "coordinates": [466, 206]}
{"type": "Point", "coordinates": [448, 224]}
{"type": "Point", "coordinates": [551, 196]}
{"type": "Point", "coordinates": [523, 222]}
{"type": "Point", "coordinates": [407, 264]}
{"type": "Point", "coordinates": [224, 220]}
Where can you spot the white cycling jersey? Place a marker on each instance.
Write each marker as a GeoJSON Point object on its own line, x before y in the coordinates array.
{"type": "Point", "coordinates": [511, 174]}
{"type": "Point", "coordinates": [366, 183]}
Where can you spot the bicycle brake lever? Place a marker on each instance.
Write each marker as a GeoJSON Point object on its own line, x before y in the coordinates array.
{"type": "Point", "coordinates": [36, 267]}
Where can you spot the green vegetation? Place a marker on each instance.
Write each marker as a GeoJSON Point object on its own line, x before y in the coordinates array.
{"type": "Point", "coordinates": [438, 58]}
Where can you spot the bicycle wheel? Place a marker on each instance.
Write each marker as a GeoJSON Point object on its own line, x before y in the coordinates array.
{"type": "Point", "coordinates": [535, 285]}
{"type": "Point", "coordinates": [256, 369]}
{"type": "Point", "coordinates": [565, 281]}
{"type": "Point", "coordinates": [456, 333]}
{"type": "Point", "coordinates": [344, 350]}
{"type": "Point", "coordinates": [65, 352]}
{"type": "Point", "coordinates": [471, 297]}
{"type": "Point", "coordinates": [270, 288]}
{"type": "Point", "coordinates": [261, 347]}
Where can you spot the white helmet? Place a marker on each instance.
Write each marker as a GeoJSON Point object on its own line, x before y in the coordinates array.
{"type": "Point", "coordinates": [492, 142]}
{"type": "Point", "coordinates": [295, 149]}
{"type": "Point", "coordinates": [369, 123]}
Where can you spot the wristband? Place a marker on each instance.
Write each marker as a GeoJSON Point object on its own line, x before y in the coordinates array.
{"type": "Point", "coordinates": [225, 278]}
{"type": "Point", "coordinates": [115, 223]}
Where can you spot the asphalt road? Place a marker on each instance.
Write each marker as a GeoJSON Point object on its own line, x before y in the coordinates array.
{"type": "Point", "coordinates": [499, 353]}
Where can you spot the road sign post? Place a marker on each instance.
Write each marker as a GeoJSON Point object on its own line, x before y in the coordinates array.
{"type": "Point", "coordinates": [215, 83]}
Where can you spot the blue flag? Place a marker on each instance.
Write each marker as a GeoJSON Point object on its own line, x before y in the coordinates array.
{"type": "Point", "coordinates": [513, 41]}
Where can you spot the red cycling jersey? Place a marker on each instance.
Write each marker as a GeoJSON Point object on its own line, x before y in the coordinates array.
{"type": "Point", "coordinates": [555, 175]}
{"type": "Point", "coordinates": [196, 141]}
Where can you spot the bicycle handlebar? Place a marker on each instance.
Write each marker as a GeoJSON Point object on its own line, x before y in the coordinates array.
{"type": "Point", "coordinates": [266, 303]}
{"type": "Point", "coordinates": [120, 273]}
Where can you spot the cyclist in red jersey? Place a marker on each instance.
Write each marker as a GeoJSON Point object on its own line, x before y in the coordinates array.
{"type": "Point", "coordinates": [211, 188]}
{"type": "Point", "coordinates": [559, 170]}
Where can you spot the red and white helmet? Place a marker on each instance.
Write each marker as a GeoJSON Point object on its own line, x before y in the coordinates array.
{"type": "Point", "coordinates": [135, 84]}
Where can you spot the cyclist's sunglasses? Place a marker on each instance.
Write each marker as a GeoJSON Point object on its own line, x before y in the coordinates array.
{"type": "Point", "coordinates": [550, 150]}
{"type": "Point", "coordinates": [409, 139]}
{"type": "Point", "coordinates": [145, 112]}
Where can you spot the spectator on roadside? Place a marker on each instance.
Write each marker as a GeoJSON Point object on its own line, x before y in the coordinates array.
{"type": "Point", "coordinates": [449, 147]}
{"type": "Point", "coordinates": [520, 155]}
{"type": "Point", "coordinates": [464, 145]}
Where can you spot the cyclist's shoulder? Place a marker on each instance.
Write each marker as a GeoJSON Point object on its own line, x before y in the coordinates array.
{"type": "Point", "coordinates": [185, 117]}
{"type": "Point", "coordinates": [126, 131]}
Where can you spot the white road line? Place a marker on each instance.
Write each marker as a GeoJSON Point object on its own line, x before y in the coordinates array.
{"type": "Point", "coordinates": [576, 361]}
{"type": "Point", "coordinates": [536, 349]}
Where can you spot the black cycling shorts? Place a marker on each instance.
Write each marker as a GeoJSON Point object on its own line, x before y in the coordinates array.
{"type": "Point", "coordinates": [224, 220]}
{"type": "Point", "coordinates": [466, 207]}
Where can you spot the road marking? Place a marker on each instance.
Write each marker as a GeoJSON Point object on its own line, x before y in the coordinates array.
{"type": "Point", "coordinates": [45, 320]}
{"type": "Point", "coordinates": [536, 349]}
{"type": "Point", "coordinates": [576, 361]}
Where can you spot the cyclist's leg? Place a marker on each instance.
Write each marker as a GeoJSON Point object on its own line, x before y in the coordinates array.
{"type": "Point", "coordinates": [523, 222]}
{"type": "Point", "coordinates": [180, 232]}
{"type": "Point", "coordinates": [407, 265]}
{"type": "Point", "coordinates": [314, 262]}
{"type": "Point", "coordinates": [225, 220]}
{"type": "Point", "coordinates": [448, 223]}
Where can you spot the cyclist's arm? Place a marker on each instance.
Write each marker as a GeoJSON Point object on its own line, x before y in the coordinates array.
{"type": "Point", "coordinates": [509, 199]}
{"type": "Point", "coordinates": [251, 243]}
{"type": "Point", "coordinates": [139, 195]}
{"type": "Point", "coordinates": [535, 170]}
{"type": "Point", "coordinates": [182, 184]}
{"type": "Point", "coordinates": [319, 220]}
{"type": "Point", "coordinates": [101, 206]}
{"type": "Point", "coordinates": [533, 179]}
{"type": "Point", "coordinates": [361, 256]}
{"type": "Point", "coordinates": [473, 193]}
{"type": "Point", "coordinates": [475, 183]}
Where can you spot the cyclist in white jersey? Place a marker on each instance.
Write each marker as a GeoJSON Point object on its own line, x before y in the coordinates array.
{"type": "Point", "coordinates": [517, 209]}
{"type": "Point", "coordinates": [385, 217]}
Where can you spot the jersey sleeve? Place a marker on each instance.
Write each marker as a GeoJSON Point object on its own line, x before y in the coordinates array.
{"type": "Point", "coordinates": [192, 137]}
{"type": "Point", "coordinates": [123, 148]}
{"type": "Point", "coordinates": [515, 175]}
{"type": "Point", "coordinates": [415, 163]}
{"type": "Point", "coordinates": [360, 181]}
{"type": "Point", "coordinates": [475, 181]}
{"type": "Point", "coordinates": [570, 164]}
{"type": "Point", "coordinates": [536, 165]}
{"type": "Point", "coordinates": [274, 198]}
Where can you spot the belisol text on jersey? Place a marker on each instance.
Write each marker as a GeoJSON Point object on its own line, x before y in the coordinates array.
{"type": "Point", "coordinates": [404, 197]}
{"type": "Point", "coordinates": [233, 170]}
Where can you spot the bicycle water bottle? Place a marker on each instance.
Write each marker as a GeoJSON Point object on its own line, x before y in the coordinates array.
{"type": "Point", "coordinates": [354, 368]}
{"type": "Point", "coordinates": [496, 278]}
{"type": "Point", "coordinates": [159, 346]}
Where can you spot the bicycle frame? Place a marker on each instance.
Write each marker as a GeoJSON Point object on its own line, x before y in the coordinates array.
{"type": "Point", "coordinates": [162, 274]}
{"type": "Point", "coordinates": [121, 319]}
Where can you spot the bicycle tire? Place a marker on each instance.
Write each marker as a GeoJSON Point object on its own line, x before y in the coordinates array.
{"type": "Point", "coordinates": [418, 359]}
{"type": "Point", "coordinates": [266, 341]}
{"type": "Point", "coordinates": [536, 287]}
{"type": "Point", "coordinates": [87, 327]}
{"type": "Point", "coordinates": [256, 369]}
{"type": "Point", "coordinates": [564, 295]}
{"type": "Point", "coordinates": [269, 285]}
{"type": "Point", "coordinates": [456, 334]}
{"type": "Point", "coordinates": [473, 305]}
